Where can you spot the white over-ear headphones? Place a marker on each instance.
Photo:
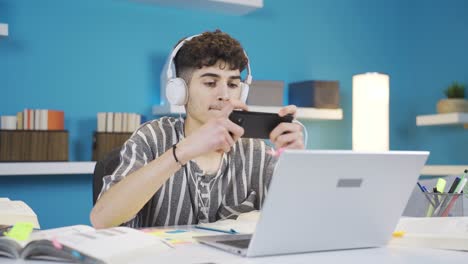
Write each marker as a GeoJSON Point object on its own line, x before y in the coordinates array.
{"type": "Point", "coordinates": [176, 89]}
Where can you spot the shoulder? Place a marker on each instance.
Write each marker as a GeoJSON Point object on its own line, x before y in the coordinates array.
{"type": "Point", "coordinates": [156, 130]}
{"type": "Point", "coordinates": [157, 127]}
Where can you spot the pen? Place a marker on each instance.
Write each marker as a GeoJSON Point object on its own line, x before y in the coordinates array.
{"type": "Point", "coordinates": [462, 178]}
{"type": "Point", "coordinates": [454, 185]}
{"type": "Point", "coordinates": [231, 231]}
{"type": "Point", "coordinates": [430, 209]}
{"type": "Point", "coordinates": [465, 175]}
{"type": "Point", "coordinates": [436, 196]}
{"type": "Point", "coordinates": [420, 187]}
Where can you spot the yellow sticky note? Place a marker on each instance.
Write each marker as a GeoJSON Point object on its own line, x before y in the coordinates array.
{"type": "Point", "coordinates": [20, 231]}
{"type": "Point", "coordinates": [398, 233]}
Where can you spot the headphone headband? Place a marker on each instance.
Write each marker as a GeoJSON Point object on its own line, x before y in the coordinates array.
{"type": "Point", "coordinates": [171, 72]}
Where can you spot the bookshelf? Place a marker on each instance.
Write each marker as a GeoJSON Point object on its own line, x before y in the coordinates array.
{"type": "Point", "coordinates": [443, 119]}
{"type": "Point", "coordinates": [3, 30]}
{"type": "Point", "coordinates": [304, 113]}
{"type": "Point", "coordinates": [46, 168]}
{"type": "Point", "coordinates": [230, 7]}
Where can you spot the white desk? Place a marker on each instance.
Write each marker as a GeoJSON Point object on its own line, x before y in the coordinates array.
{"type": "Point", "coordinates": [199, 254]}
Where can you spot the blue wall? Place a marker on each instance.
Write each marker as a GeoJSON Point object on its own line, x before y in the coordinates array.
{"type": "Point", "coordinates": [91, 56]}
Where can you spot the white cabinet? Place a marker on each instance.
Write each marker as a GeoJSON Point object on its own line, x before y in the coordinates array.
{"type": "Point", "coordinates": [231, 7]}
{"type": "Point", "coordinates": [3, 29]}
{"type": "Point", "coordinates": [46, 168]}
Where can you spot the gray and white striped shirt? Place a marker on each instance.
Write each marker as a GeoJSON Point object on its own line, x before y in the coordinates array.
{"type": "Point", "coordinates": [190, 195]}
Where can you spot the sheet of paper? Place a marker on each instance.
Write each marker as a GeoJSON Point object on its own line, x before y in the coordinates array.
{"type": "Point", "coordinates": [174, 236]}
{"type": "Point", "coordinates": [244, 224]}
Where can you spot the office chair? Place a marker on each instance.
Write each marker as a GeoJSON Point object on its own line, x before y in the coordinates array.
{"type": "Point", "coordinates": [105, 166]}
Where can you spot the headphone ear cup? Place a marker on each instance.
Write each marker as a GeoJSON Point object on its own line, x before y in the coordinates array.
{"type": "Point", "coordinates": [244, 92]}
{"type": "Point", "coordinates": [176, 91]}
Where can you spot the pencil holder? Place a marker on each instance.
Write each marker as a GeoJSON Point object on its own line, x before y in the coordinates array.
{"type": "Point", "coordinates": [438, 205]}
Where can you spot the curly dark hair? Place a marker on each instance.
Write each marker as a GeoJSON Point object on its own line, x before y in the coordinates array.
{"type": "Point", "coordinates": [209, 48]}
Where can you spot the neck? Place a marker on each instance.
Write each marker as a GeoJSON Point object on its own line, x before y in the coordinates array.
{"type": "Point", "coordinates": [191, 125]}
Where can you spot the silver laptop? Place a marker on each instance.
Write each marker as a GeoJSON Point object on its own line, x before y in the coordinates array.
{"type": "Point", "coordinates": [329, 200]}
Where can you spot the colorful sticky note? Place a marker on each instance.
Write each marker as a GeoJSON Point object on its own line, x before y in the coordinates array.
{"type": "Point", "coordinates": [398, 234]}
{"type": "Point", "coordinates": [178, 231]}
{"type": "Point", "coordinates": [20, 231]}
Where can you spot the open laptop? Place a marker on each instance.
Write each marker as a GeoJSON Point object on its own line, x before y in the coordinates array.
{"type": "Point", "coordinates": [329, 200]}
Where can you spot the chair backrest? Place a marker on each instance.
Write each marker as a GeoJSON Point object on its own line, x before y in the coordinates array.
{"type": "Point", "coordinates": [104, 167]}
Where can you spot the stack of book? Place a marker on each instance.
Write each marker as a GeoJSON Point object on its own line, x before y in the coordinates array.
{"type": "Point", "coordinates": [117, 122]}
{"type": "Point", "coordinates": [113, 129]}
{"type": "Point", "coordinates": [34, 135]}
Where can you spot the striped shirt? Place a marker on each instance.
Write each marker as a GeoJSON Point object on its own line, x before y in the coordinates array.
{"type": "Point", "coordinates": [190, 195]}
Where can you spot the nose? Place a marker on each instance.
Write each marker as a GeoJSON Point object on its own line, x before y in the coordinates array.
{"type": "Point", "coordinates": [223, 94]}
{"type": "Point", "coordinates": [223, 98]}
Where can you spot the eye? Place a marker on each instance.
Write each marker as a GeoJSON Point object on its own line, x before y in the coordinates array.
{"type": "Point", "coordinates": [233, 85]}
{"type": "Point", "coordinates": [210, 84]}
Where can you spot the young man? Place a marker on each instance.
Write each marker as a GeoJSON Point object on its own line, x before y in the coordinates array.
{"type": "Point", "coordinates": [176, 171]}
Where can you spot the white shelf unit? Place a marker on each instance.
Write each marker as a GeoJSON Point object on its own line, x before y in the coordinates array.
{"type": "Point", "coordinates": [3, 29]}
{"type": "Point", "coordinates": [303, 113]}
{"type": "Point", "coordinates": [443, 119]}
{"type": "Point", "coordinates": [230, 7]}
{"type": "Point", "coordinates": [46, 168]}
{"type": "Point", "coordinates": [443, 170]}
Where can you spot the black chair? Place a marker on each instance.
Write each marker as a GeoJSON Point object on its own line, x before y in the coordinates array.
{"type": "Point", "coordinates": [104, 167]}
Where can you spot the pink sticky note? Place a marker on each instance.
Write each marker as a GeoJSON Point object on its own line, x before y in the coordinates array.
{"type": "Point", "coordinates": [56, 244]}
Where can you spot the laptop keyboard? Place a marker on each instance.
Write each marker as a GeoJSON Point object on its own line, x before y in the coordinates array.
{"type": "Point", "coordinates": [241, 243]}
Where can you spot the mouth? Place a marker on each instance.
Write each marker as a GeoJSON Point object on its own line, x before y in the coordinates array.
{"type": "Point", "coordinates": [216, 108]}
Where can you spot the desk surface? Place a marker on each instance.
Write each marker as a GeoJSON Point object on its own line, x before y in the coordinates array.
{"type": "Point", "coordinates": [202, 254]}
{"type": "Point", "coordinates": [197, 253]}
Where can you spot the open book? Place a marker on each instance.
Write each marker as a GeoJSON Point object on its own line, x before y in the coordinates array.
{"type": "Point", "coordinates": [432, 232]}
{"type": "Point", "coordinates": [12, 212]}
{"type": "Point", "coordinates": [83, 244]}
{"type": "Point", "coordinates": [244, 224]}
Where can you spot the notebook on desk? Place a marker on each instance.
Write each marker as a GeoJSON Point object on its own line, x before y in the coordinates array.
{"type": "Point", "coordinates": [329, 200]}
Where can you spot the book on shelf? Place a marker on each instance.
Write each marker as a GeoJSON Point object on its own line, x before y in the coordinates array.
{"type": "Point", "coordinates": [8, 122]}
{"type": "Point", "coordinates": [12, 212]}
{"type": "Point", "coordinates": [432, 232]}
{"type": "Point", "coordinates": [83, 244]}
{"type": "Point", "coordinates": [117, 122]}
{"type": "Point", "coordinates": [109, 122]}
{"type": "Point", "coordinates": [19, 121]}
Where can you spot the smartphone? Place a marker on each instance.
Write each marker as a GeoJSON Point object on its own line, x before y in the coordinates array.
{"type": "Point", "coordinates": [258, 124]}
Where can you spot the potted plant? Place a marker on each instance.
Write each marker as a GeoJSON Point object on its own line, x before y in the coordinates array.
{"type": "Point", "coordinates": [455, 101]}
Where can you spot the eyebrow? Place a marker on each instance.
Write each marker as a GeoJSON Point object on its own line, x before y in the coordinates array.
{"type": "Point", "coordinates": [214, 75]}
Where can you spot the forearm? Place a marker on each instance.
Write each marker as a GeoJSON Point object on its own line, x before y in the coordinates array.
{"type": "Point", "coordinates": [126, 198]}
